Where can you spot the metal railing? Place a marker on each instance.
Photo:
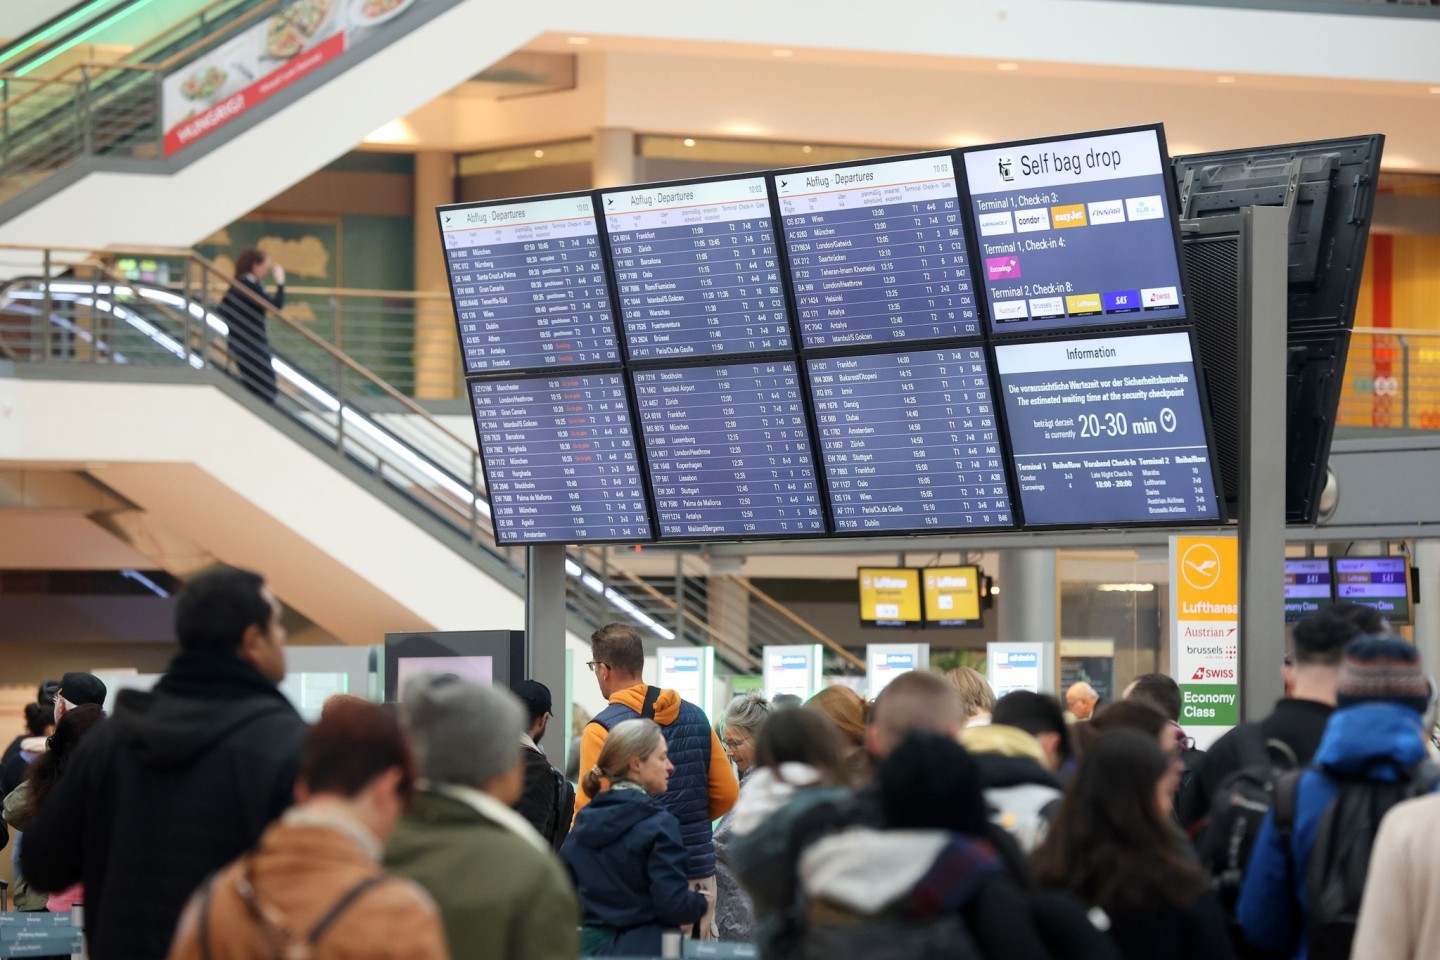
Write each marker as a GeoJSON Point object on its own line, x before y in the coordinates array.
{"type": "Point", "coordinates": [77, 310]}
{"type": "Point", "coordinates": [1392, 380]}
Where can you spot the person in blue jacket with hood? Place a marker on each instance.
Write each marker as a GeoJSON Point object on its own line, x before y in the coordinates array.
{"type": "Point", "coordinates": [1376, 734]}
{"type": "Point", "coordinates": [625, 851]}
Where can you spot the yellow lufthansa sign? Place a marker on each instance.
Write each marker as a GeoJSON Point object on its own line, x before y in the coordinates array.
{"type": "Point", "coordinates": [952, 593]}
{"type": "Point", "coordinates": [1207, 582]}
{"type": "Point", "coordinates": [890, 597]}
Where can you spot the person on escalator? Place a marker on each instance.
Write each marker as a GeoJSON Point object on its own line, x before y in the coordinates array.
{"type": "Point", "coordinates": [243, 310]}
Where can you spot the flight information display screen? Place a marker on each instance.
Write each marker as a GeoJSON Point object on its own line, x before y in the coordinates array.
{"type": "Point", "coordinates": [910, 441]}
{"type": "Point", "coordinates": [698, 269]}
{"type": "Point", "coordinates": [729, 451]}
{"type": "Point", "coordinates": [1379, 582]}
{"type": "Point", "coordinates": [1076, 232]}
{"type": "Point", "coordinates": [877, 253]}
{"type": "Point", "coordinates": [1309, 588]}
{"type": "Point", "coordinates": [561, 462]}
{"type": "Point", "coordinates": [529, 285]}
{"type": "Point", "coordinates": [1108, 430]}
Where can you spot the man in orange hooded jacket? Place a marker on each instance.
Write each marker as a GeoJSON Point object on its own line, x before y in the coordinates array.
{"type": "Point", "coordinates": [703, 787]}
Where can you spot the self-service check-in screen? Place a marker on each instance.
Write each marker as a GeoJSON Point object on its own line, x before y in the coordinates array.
{"type": "Point", "coordinates": [1107, 430]}
{"type": "Point", "coordinates": [1075, 233]}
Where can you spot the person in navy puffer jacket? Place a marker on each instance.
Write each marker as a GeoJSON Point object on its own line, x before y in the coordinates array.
{"type": "Point", "coordinates": [625, 851]}
{"type": "Point", "coordinates": [1375, 734]}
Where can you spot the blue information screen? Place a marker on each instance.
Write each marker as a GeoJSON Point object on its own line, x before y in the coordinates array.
{"type": "Point", "coordinates": [1309, 588]}
{"type": "Point", "coordinates": [729, 451]}
{"type": "Point", "coordinates": [1075, 233]}
{"type": "Point", "coordinates": [877, 253]}
{"type": "Point", "coordinates": [529, 285]}
{"type": "Point", "coordinates": [561, 462]}
{"type": "Point", "coordinates": [910, 441]}
{"type": "Point", "coordinates": [1379, 582]}
{"type": "Point", "coordinates": [698, 269]}
{"type": "Point", "coordinates": [1107, 430]}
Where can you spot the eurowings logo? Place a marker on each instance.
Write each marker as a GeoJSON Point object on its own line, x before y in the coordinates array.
{"type": "Point", "coordinates": [1002, 268]}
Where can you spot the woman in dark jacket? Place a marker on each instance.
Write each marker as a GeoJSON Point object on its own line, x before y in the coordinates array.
{"type": "Point", "coordinates": [1113, 845]}
{"type": "Point", "coordinates": [243, 312]}
{"type": "Point", "coordinates": [625, 851]}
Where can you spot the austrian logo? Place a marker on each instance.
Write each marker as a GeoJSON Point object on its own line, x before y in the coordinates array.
{"type": "Point", "coordinates": [1009, 310]}
{"type": "Point", "coordinates": [1003, 268]}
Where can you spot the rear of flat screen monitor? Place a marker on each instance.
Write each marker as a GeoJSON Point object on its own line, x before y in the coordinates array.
{"type": "Point", "coordinates": [483, 656]}
{"type": "Point", "coordinates": [1329, 186]}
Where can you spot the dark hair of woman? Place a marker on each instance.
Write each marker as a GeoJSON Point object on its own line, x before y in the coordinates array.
{"type": "Point", "coordinates": [1109, 843]}
{"type": "Point", "coordinates": [38, 718]}
{"type": "Point", "coordinates": [49, 767]}
{"type": "Point", "coordinates": [797, 735]}
{"type": "Point", "coordinates": [248, 260]}
{"type": "Point", "coordinates": [1121, 715]}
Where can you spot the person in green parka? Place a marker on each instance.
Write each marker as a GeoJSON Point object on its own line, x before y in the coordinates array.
{"type": "Point", "coordinates": [502, 893]}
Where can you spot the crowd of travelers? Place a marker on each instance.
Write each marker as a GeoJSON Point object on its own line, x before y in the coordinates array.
{"type": "Point", "coordinates": [205, 819]}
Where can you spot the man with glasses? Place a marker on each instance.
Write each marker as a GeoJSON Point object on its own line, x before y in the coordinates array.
{"type": "Point", "coordinates": [702, 788]}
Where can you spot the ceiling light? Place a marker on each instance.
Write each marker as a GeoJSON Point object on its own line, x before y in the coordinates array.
{"type": "Point", "coordinates": [807, 149]}
{"type": "Point", "coordinates": [577, 41]}
{"type": "Point", "coordinates": [539, 154]}
{"type": "Point", "coordinates": [1225, 79]}
{"type": "Point", "coordinates": [1125, 587]}
{"type": "Point", "coordinates": [1007, 66]}
{"type": "Point", "coordinates": [783, 53]}
{"type": "Point", "coordinates": [689, 141]}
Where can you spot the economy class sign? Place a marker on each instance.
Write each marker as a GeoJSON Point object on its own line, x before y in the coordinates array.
{"type": "Point", "coordinates": [1204, 631]}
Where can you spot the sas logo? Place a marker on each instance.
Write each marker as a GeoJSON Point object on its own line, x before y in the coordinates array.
{"type": "Point", "coordinates": [1006, 166]}
{"type": "Point", "coordinates": [1121, 301]}
{"type": "Point", "coordinates": [1003, 268]}
{"type": "Point", "coordinates": [1214, 673]}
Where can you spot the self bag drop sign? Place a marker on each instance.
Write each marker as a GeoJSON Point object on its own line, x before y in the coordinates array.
{"type": "Point", "coordinates": [1204, 632]}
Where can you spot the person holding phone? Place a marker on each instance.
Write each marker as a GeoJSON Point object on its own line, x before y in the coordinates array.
{"type": "Point", "coordinates": [243, 310]}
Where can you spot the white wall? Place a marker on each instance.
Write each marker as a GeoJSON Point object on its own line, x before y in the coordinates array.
{"type": "Point", "coordinates": [19, 17]}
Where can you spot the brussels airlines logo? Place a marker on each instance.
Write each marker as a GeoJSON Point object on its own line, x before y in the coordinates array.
{"type": "Point", "coordinates": [1214, 673]}
{"type": "Point", "coordinates": [1002, 268]}
{"type": "Point", "coordinates": [1007, 168]}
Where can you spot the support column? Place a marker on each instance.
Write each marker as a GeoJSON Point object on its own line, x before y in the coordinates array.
{"type": "Point", "coordinates": [1263, 253]}
{"type": "Point", "coordinates": [437, 348]}
{"type": "Point", "coordinates": [1029, 606]}
{"type": "Point", "coordinates": [614, 163]}
{"type": "Point", "coordinates": [729, 605]}
{"type": "Point", "coordinates": [1427, 611]}
{"type": "Point", "coordinates": [545, 638]}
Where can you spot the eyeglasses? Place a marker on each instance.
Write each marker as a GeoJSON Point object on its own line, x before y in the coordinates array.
{"type": "Point", "coordinates": [735, 744]}
{"type": "Point", "coordinates": [592, 664]}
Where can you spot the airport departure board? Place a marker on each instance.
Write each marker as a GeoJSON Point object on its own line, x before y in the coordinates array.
{"type": "Point", "coordinates": [910, 441]}
{"type": "Point", "coordinates": [877, 253]}
{"type": "Point", "coordinates": [561, 460]}
{"type": "Point", "coordinates": [698, 269]}
{"type": "Point", "coordinates": [528, 282]}
{"type": "Point", "coordinates": [1108, 430]}
{"type": "Point", "coordinates": [729, 451]}
{"type": "Point", "coordinates": [1076, 232]}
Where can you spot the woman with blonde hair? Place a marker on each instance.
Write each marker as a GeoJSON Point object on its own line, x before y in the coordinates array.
{"type": "Point", "coordinates": [850, 714]}
{"type": "Point", "coordinates": [625, 852]}
{"type": "Point", "coordinates": [975, 694]}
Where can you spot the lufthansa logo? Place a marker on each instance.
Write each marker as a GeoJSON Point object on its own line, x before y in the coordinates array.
{"type": "Point", "coordinates": [1200, 566]}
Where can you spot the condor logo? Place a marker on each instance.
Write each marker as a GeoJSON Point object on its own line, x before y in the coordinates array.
{"type": "Point", "coordinates": [1211, 673]}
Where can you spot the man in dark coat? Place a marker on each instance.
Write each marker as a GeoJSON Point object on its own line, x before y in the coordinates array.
{"type": "Point", "coordinates": [182, 780]}
{"type": "Point", "coordinates": [548, 801]}
{"type": "Point", "coordinates": [243, 309]}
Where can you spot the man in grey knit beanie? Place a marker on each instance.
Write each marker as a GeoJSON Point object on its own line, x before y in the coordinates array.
{"type": "Point", "coordinates": [502, 893]}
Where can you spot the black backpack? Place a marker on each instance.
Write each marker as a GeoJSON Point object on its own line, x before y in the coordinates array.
{"type": "Point", "coordinates": [1237, 810]}
{"type": "Point", "coordinates": [1340, 858]}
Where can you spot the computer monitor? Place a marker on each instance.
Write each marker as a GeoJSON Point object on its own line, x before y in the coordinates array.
{"type": "Point", "coordinates": [1379, 582]}
{"type": "Point", "coordinates": [480, 656]}
{"type": "Point", "coordinates": [952, 596]}
{"type": "Point", "coordinates": [889, 597]}
{"type": "Point", "coordinates": [1329, 187]}
{"type": "Point", "coordinates": [1309, 588]}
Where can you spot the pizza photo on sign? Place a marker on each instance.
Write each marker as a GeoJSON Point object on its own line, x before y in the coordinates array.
{"type": "Point", "coordinates": [366, 13]}
{"type": "Point", "coordinates": [292, 29]}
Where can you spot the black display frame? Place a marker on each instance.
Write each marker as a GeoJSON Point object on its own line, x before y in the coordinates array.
{"type": "Point", "coordinates": [607, 270]}
{"type": "Point", "coordinates": [888, 625]}
{"type": "Point", "coordinates": [939, 623]}
{"type": "Point", "coordinates": [1202, 397]}
{"type": "Point", "coordinates": [613, 273]}
{"type": "Point", "coordinates": [826, 521]}
{"type": "Point", "coordinates": [642, 463]}
{"type": "Point", "coordinates": [992, 334]}
{"type": "Point", "coordinates": [1001, 432]}
{"type": "Point", "coordinates": [1334, 597]}
{"type": "Point", "coordinates": [967, 234]}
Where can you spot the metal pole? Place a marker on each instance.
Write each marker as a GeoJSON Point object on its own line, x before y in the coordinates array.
{"type": "Point", "coordinates": [42, 338]}
{"type": "Point", "coordinates": [545, 628]}
{"type": "Point", "coordinates": [1262, 322]}
{"type": "Point", "coordinates": [1404, 382]}
{"type": "Point", "coordinates": [1030, 605]}
{"type": "Point", "coordinates": [604, 584]}
{"type": "Point", "coordinates": [679, 597]}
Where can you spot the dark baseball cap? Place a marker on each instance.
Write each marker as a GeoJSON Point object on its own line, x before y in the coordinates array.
{"type": "Point", "coordinates": [81, 688]}
{"type": "Point", "coordinates": [536, 695]}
